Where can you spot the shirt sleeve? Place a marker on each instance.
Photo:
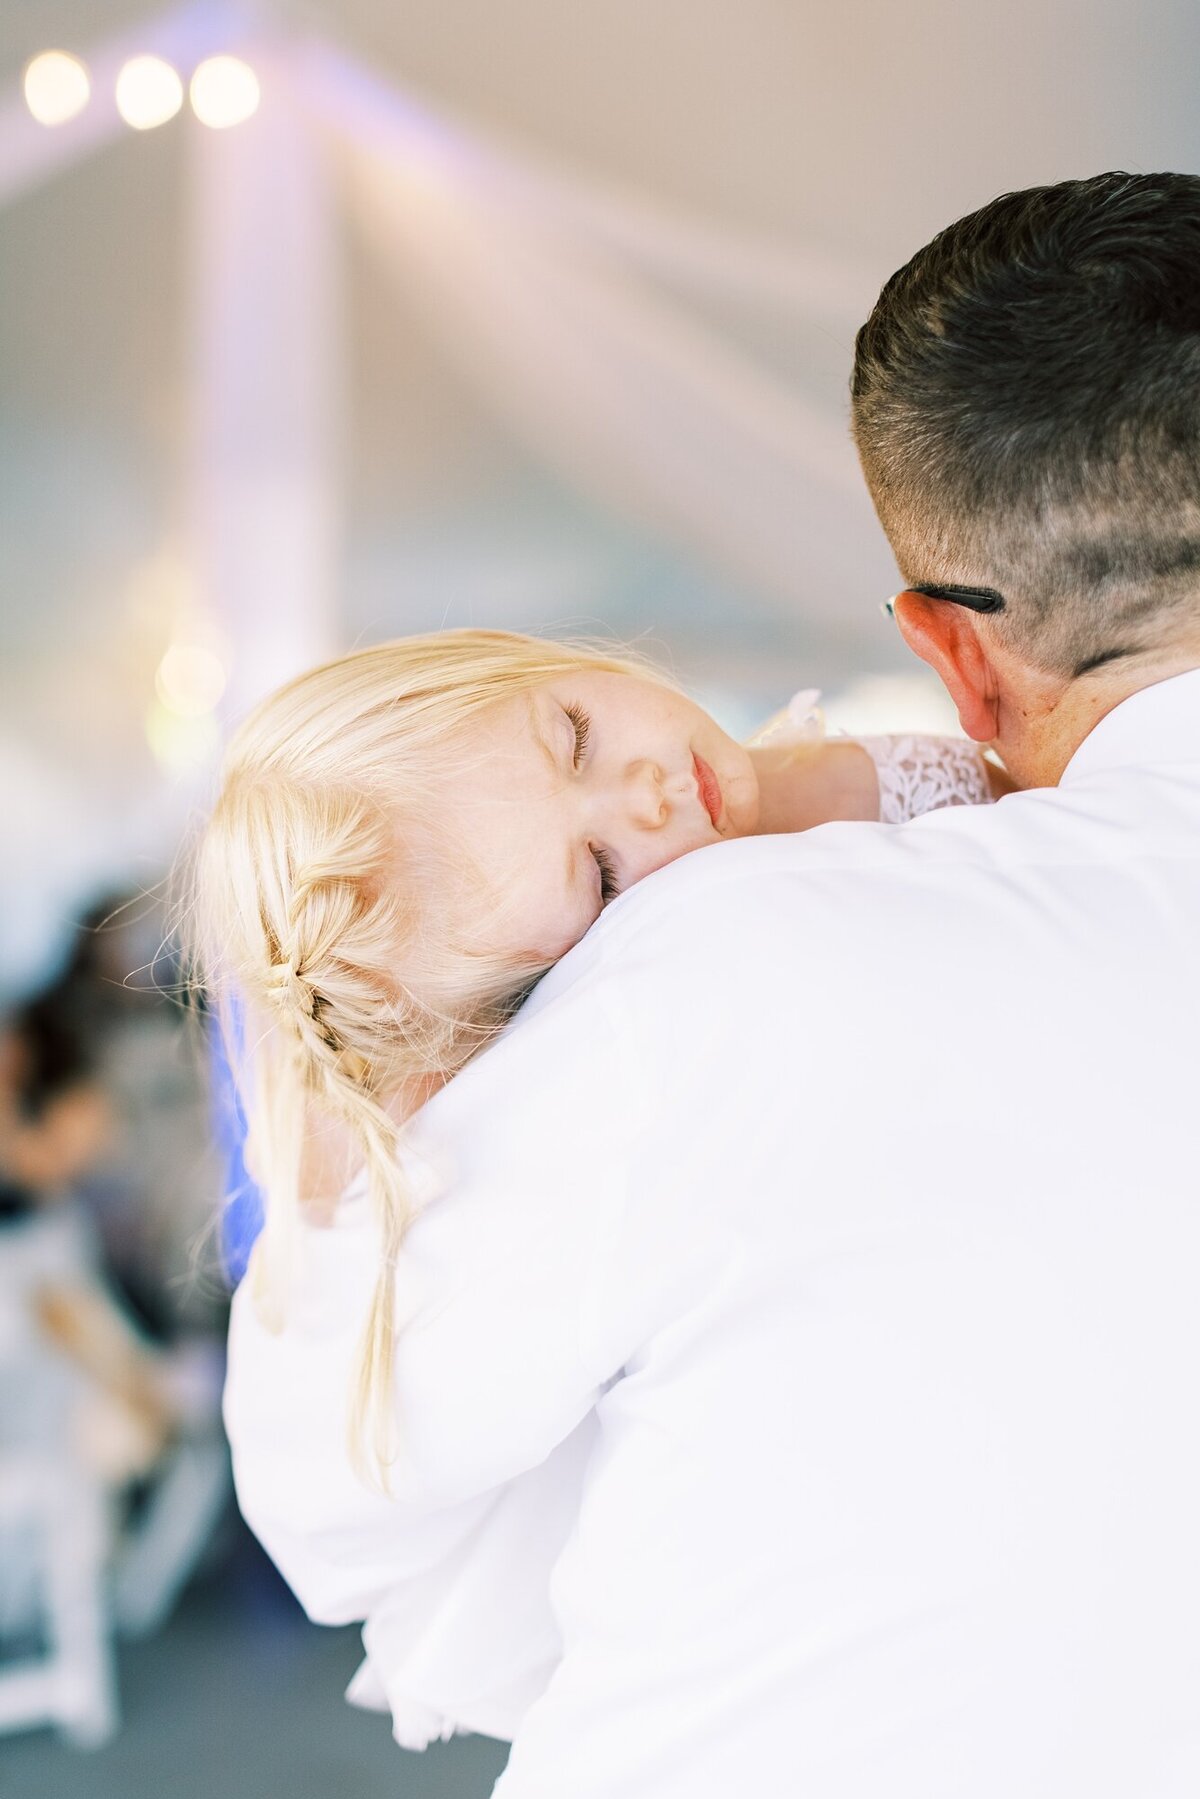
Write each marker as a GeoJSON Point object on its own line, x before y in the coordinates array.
{"type": "Point", "coordinates": [452, 1589]}
{"type": "Point", "coordinates": [471, 1644]}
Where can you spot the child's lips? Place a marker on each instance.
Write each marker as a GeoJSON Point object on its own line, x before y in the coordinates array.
{"type": "Point", "coordinates": [709, 788]}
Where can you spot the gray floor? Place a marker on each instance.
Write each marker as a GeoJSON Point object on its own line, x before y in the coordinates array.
{"type": "Point", "coordinates": [241, 1698]}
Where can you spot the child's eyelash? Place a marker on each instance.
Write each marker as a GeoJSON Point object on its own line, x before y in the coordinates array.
{"type": "Point", "coordinates": [583, 729]}
{"type": "Point", "coordinates": [604, 862]}
{"type": "Point", "coordinates": [608, 876]}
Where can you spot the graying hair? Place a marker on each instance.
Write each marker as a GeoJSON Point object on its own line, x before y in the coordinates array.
{"type": "Point", "coordinates": [1026, 404]}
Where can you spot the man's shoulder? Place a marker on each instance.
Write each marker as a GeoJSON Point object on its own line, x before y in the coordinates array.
{"type": "Point", "coordinates": [729, 926]}
{"type": "Point", "coordinates": [874, 924]}
{"type": "Point", "coordinates": [845, 870]}
{"type": "Point", "coordinates": [722, 929]}
{"type": "Point", "coordinates": [771, 879]}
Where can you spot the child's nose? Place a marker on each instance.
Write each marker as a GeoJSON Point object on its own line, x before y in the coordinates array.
{"type": "Point", "coordinates": [645, 798]}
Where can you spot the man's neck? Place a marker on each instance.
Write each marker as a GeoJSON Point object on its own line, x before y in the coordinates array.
{"type": "Point", "coordinates": [1043, 720]}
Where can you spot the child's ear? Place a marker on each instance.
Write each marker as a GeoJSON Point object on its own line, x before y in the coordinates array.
{"type": "Point", "coordinates": [946, 636]}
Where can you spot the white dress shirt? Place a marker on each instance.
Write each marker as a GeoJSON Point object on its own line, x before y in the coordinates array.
{"type": "Point", "coordinates": [800, 1393]}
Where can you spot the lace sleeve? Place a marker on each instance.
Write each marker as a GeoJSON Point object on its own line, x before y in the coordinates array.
{"type": "Point", "coordinates": [923, 774]}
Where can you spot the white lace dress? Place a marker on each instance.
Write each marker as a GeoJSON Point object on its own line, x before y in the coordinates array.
{"type": "Point", "coordinates": [916, 774]}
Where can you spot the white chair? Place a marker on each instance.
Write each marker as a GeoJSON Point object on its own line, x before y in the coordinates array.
{"type": "Point", "coordinates": [53, 1526]}
{"type": "Point", "coordinates": [54, 1529]}
{"type": "Point", "coordinates": [154, 1560]}
{"type": "Point", "coordinates": [70, 1573]}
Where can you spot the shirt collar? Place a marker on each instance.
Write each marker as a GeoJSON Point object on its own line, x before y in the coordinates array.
{"type": "Point", "coordinates": [1157, 724]}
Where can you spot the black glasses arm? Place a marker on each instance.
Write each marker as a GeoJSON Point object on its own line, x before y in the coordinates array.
{"type": "Point", "coordinates": [978, 599]}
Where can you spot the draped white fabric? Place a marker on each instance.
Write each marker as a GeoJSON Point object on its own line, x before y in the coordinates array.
{"type": "Point", "coordinates": [262, 489]}
{"type": "Point", "coordinates": [564, 301]}
{"type": "Point", "coordinates": [539, 288]}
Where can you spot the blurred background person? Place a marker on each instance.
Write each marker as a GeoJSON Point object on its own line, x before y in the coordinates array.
{"type": "Point", "coordinates": [121, 1428]}
{"type": "Point", "coordinates": [55, 1121]}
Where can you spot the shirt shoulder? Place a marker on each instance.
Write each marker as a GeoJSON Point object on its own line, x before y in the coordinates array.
{"type": "Point", "coordinates": [772, 939]}
{"type": "Point", "coordinates": [1123, 814]}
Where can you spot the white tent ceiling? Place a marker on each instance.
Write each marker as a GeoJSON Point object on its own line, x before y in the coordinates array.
{"type": "Point", "coordinates": [858, 128]}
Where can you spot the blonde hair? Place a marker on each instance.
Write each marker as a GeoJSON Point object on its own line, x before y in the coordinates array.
{"type": "Point", "coordinates": [303, 922]}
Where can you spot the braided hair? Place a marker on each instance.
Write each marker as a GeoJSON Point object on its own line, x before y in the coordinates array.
{"type": "Point", "coordinates": [302, 916]}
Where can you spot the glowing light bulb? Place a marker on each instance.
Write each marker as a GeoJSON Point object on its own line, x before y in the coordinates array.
{"type": "Point", "coordinates": [149, 92]}
{"type": "Point", "coordinates": [224, 91]}
{"type": "Point", "coordinates": [56, 87]}
{"type": "Point", "coordinates": [190, 680]}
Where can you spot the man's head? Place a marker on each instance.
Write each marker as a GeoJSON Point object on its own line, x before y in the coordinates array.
{"type": "Point", "coordinates": [1026, 402]}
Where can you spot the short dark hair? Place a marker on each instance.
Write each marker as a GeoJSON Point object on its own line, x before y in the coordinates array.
{"type": "Point", "coordinates": [1026, 404]}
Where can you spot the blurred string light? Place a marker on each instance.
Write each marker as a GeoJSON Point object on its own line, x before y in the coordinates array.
{"type": "Point", "coordinates": [149, 92]}
{"type": "Point", "coordinates": [56, 87]}
{"type": "Point", "coordinates": [179, 744]}
{"type": "Point", "coordinates": [190, 680]}
{"type": "Point", "coordinates": [181, 723]}
{"type": "Point", "coordinates": [190, 673]}
{"type": "Point", "coordinates": [224, 91]}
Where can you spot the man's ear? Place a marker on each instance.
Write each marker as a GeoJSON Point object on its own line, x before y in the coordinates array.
{"type": "Point", "coordinates": [946, 636]}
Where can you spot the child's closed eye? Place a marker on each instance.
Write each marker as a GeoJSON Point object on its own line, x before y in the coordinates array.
{"type": "Point", "coordinates": [583, 730]}
{"type": "Point", "coordinates": [609, 885]}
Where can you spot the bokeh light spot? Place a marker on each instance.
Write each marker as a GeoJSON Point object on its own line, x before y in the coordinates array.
{"type": "Point", "coordinates": [57, 87]}
{"type": "Point", "coordinates": [224, 91]}
{"type": "Point", "coordinates": [149, 92]}
{"type": "Point", "coordinates": [190, 680]}
{"type": "Point", "coordinates": [179, 744]}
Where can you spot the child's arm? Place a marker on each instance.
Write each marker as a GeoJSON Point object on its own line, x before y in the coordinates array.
{"type": "Point", "coordinates": [888, 779]}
